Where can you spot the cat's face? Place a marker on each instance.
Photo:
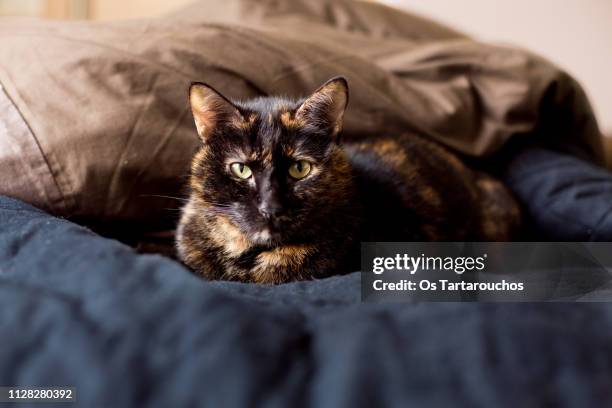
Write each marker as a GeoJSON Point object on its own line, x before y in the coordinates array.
{"type": "Point", "coordinates": [270, 167]}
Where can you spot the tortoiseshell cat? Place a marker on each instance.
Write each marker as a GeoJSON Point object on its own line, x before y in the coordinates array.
{"type": "Point", "coordinates": [276, 197]}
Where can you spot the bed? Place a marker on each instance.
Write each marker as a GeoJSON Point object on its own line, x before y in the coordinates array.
{"type": "Point", "coordinates": [125, 329]}
{"type": "Point", "coordinates": [95, 143]}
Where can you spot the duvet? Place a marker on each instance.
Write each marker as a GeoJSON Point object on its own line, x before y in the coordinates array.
{"type": "Point", "coordinates": [128, 330]}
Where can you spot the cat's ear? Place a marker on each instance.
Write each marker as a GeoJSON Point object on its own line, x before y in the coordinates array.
{"type": "Point", "coordinates": [326, 106]}
{"type": "Point", "coordinates": [210, 109]}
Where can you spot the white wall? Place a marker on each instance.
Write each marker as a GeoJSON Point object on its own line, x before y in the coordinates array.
{"type": "Point", "coordinates": [20, 7]}
{"type": "Point", "coordinates": [126, 9]}
{"type": "Point", "coordinates": [575, 34]}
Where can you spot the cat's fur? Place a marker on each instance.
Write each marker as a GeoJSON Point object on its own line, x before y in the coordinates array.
{"type": "Point", "coordinates": [390, 188]}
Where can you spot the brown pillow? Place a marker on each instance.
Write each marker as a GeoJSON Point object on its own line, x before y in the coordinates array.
{"type": "Point", "coordinates": [101, 129]}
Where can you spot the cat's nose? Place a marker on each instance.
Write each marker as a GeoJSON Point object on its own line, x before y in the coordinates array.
{"type": "Point", "coordinates": [269, 210]}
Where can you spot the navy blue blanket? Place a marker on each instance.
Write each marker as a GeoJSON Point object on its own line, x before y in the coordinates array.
{"type": "Point", "coordinates": [564, 197]}
{"type": "Point", "coordinates": [128, 330]}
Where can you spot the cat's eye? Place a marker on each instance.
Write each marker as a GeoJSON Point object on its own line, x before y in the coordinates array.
{"type": "Point", "coordinates": [300, 169]}
{"type": "Point", "coordinates": [241, 170]}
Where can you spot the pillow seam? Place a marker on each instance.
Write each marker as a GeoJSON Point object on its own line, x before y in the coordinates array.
{"type": "Point", "coordinates": [7, 86]}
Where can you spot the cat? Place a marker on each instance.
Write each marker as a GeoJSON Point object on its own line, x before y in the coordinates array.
{"type": "Point", "coordinates": [276, 195]}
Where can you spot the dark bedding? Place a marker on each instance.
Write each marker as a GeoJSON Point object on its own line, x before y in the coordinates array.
{"type": "Point", "coordinates": [126, 329]}
{"type": "Point", "coordinates": [564, 197]}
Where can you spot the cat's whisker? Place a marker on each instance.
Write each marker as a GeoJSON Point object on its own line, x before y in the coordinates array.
{"type": "Point", "coordinates": [181, 199]}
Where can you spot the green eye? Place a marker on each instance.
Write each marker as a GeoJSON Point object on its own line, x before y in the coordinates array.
{"type": "Point", "coordinates": [241, 170]}
{"type": "Point", "coordinates": [300, 169]}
